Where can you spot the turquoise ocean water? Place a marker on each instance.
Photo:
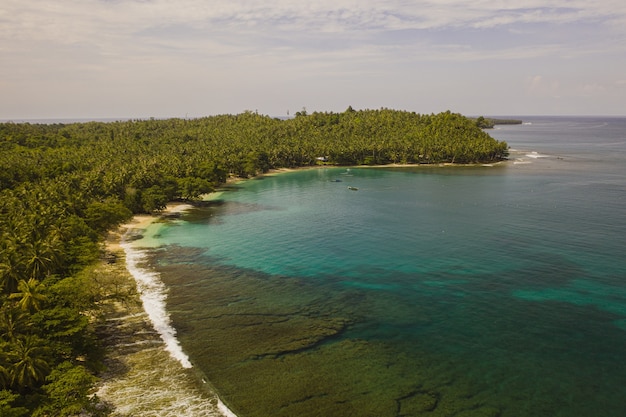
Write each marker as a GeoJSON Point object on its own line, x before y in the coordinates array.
{"type": "Point", "coordinates": [440, 291]}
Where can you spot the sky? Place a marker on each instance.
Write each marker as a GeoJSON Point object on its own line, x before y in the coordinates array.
{"type": "Point", "coordinates": [193, 58]}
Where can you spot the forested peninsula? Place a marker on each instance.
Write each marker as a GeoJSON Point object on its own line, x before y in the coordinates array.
{"type": "Point", "coordinates": [64, 186]}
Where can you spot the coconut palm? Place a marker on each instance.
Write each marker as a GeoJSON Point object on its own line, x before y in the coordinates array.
{"type": "Point", "coordinates": [10, 272]}
{"type": "Point", "coordinates": [4, 372]}
{"type": "Point", "coordinates": [41, 255]}
{"type": "Point", "coordinates": [30, 295]}
{"type": "Point", "coordinates": [29, 366]}
{"type": "Point", "coordinates": [13, 322]}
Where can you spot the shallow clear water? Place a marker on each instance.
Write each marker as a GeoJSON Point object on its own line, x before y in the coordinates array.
{"type": "Point", "coordinates": [469, 291]}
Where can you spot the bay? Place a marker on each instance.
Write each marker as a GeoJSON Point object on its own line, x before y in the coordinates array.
{"type": "Point", "coordinates": [470, 291]}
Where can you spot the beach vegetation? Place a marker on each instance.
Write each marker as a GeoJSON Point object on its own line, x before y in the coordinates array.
{"type": "Point", "coordinates": [64, 186]}
{"type": "Point", "coordinates": [68, 392]}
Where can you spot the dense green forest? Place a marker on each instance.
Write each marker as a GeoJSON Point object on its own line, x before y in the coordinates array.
{"type": "Point", "coordinates": [63, 186]}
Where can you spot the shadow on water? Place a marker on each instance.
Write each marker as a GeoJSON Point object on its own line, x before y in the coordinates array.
{"type": "Point", "coordinates": [210, 212]}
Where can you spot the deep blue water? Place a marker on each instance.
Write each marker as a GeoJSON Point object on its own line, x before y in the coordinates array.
{"type": "Point", "coordinates": [484, 291]}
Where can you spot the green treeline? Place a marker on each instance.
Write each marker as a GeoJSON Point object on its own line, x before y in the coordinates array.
{"type": "Point", "coordinates": [62, 187]}
{"type": "Point", "coordinates": [489, 123]}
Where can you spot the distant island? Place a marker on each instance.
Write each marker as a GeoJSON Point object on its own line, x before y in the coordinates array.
{"type": "Point", "coordinates": [63, 187]}
{"type": "Point", "coordinates": [490, 122]}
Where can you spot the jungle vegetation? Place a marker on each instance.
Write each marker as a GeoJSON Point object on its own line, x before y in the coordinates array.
{"type": "Point", "coordinates": [64, 186]}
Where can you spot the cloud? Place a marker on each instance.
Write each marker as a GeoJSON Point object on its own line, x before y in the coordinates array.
{"type": "Point", "coordinates": [569, 89]}
{"type": "Point", "coordinates": [80, 20]}
{"type": "Point", "coordinates": [93, 47]}
{"type": "Point", "coordinates": [222, 28]}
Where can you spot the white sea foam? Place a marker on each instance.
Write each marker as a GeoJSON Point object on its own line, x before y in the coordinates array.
{"type": "Point", "coordinates": [153, 294]}
{"type": "Point", "coordinates": [225, 410]}
{"type": "Point", "coordinates": [155, 386]}
{"type": "Point", "coordinates": [536, 155]}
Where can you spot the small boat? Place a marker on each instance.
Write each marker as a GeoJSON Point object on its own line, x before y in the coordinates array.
{"type": "Point", "coordinates": [335, 180]}
{"type": "Point", "coordinates": [352, 188]}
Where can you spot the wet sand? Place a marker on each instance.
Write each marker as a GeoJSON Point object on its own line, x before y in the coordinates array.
{"type": "Point", "coordinates": [141, 377]}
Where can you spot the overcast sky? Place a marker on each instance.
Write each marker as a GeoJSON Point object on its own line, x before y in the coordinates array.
{"type": "Point", "coordinates": [190, 58]}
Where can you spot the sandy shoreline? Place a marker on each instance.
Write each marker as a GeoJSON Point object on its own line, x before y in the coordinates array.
{"type": "Point", "coordinates": [278, 171]}
{"type": "Point", "coordinates": [142, 378]}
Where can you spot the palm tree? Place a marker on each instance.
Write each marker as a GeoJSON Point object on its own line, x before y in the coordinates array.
{"type": "Point", "coordinates": [4, 371]}
{"type": "Point", "coordinates": [11, 269]}
{"type": "Point", "coordinates": [10, 272]}
{"type": "Point", "coordinates": [41, 256]}
{"type": "Point", "coordinates": [13, 322]}
{"type": "Point", "coordinates": [30, 294]}
{"type": "Point", "coordinates": [29, 366]}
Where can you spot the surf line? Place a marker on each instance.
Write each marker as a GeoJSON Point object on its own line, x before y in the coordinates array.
{"type": "Point", "coordinates": [153, 294]}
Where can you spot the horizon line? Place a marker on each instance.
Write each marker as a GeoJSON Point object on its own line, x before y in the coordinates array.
{"type": "Point", "coordinates": [64, 120]}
